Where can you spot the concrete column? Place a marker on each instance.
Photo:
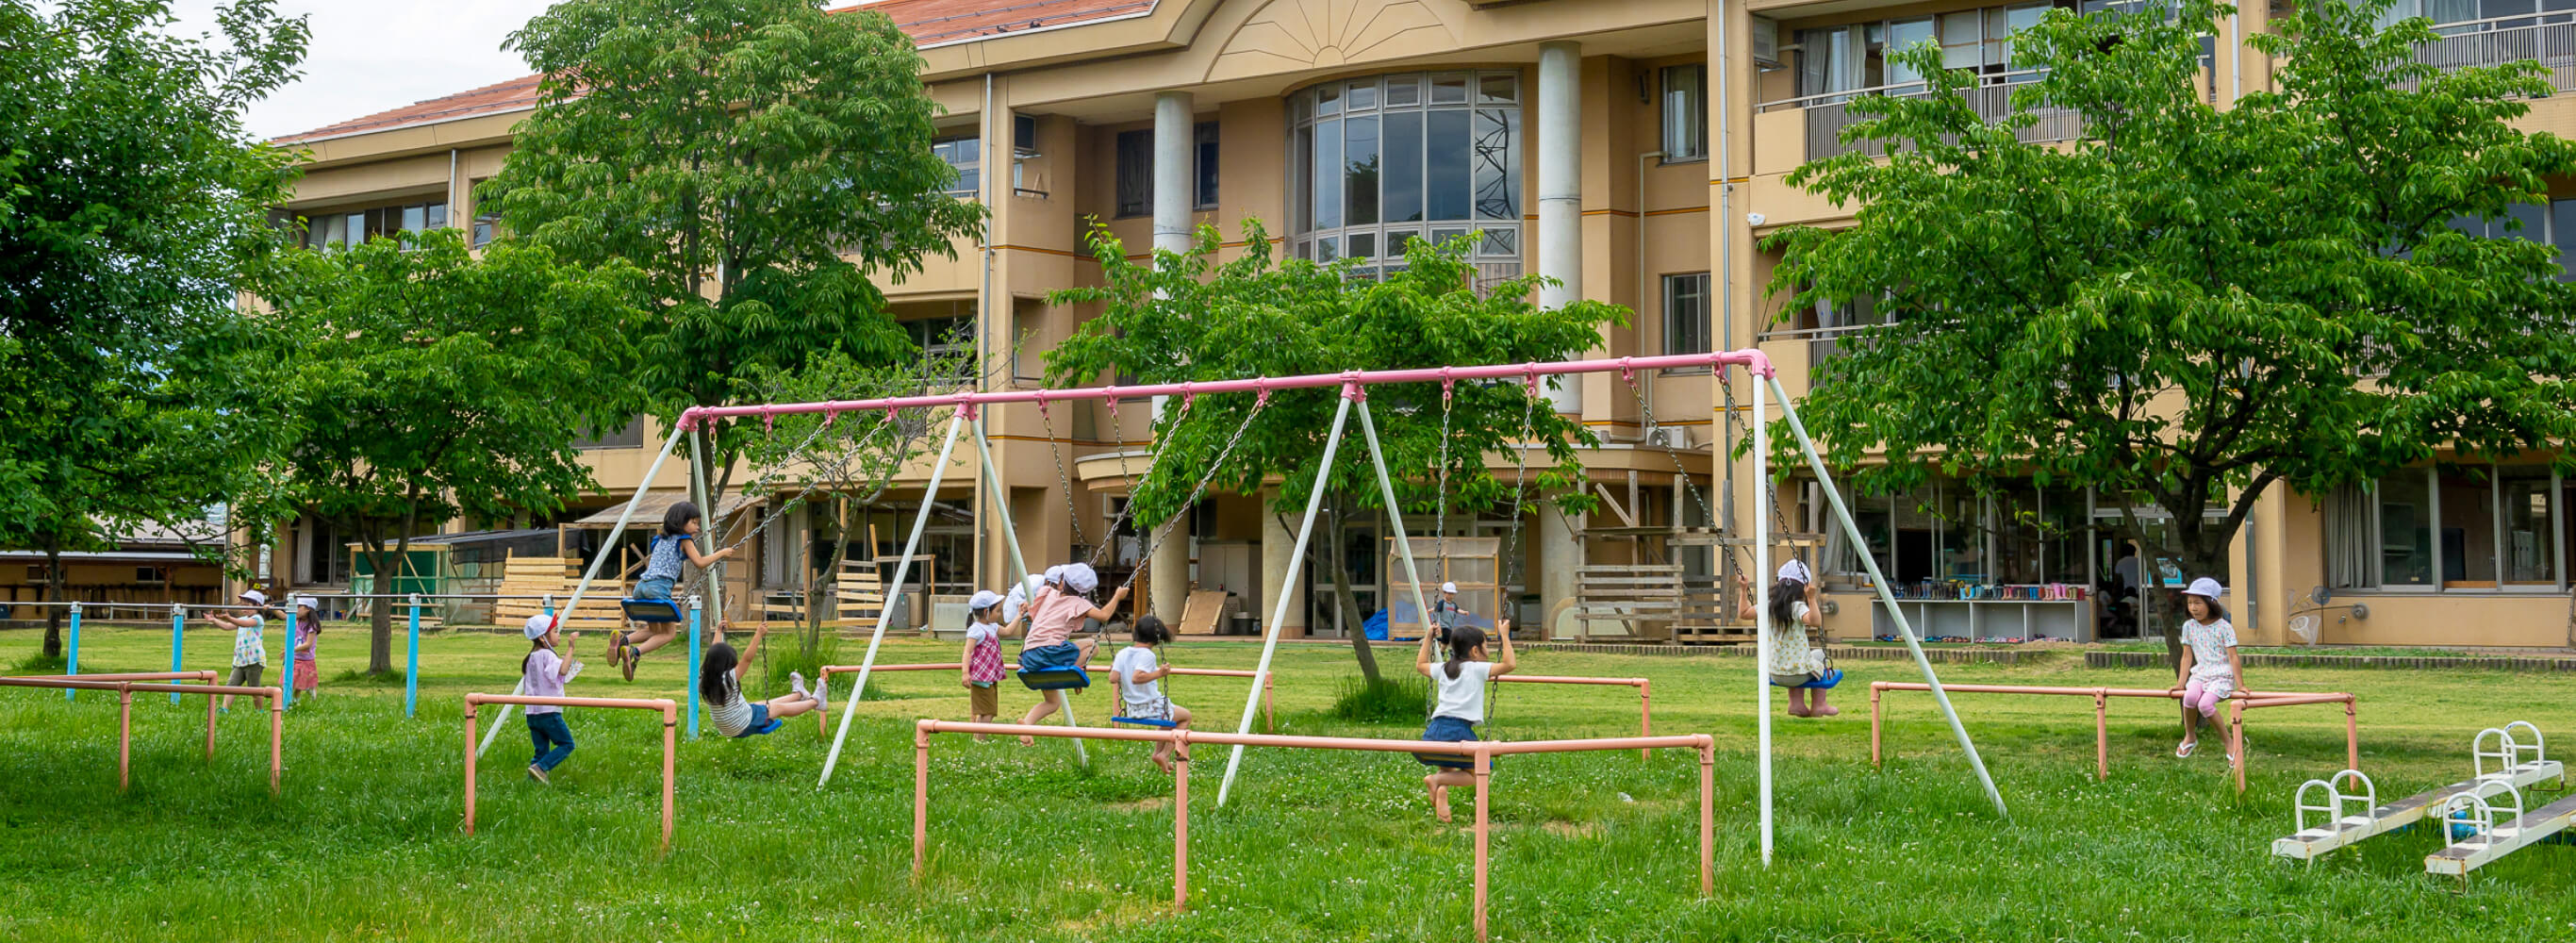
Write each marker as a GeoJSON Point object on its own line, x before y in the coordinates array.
{"type": "Point", "coordinates": [1174, 179]}
{"type": "Point", "coordinates": [1276, 542]}
{"type": "Point", "coordinates": [1560, 189]}
{"type": "Point", "coordinates": [1171, 569]}
{"type": "Point", "coordinates": [1558, 555]}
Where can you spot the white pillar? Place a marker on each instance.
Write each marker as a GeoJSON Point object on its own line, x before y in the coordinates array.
{"type": "Point", "coordinates": [1560, 190]}
{"type": "Point", "coordinates": [1174, 185]}
{"type": "Point", "coordinates": [1278, 542]}
{"type": "Point", "coordinates": [1171, 569]}
{"type": "Point", "coordinates": [1558, 555]}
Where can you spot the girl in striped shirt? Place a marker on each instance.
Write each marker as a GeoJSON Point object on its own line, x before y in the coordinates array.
{"type": "Point", "coordinates": [720, 686]}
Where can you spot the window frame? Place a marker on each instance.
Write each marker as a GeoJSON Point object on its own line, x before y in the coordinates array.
{"type": "Point", "coordinates": [1136, 149]}
{"type": "Point", "coordinates": [2376, 578]}
{"type": "Point", "coordinates": [1702, 329]}
{"type": "Point", "coordinates": [1698, 127]}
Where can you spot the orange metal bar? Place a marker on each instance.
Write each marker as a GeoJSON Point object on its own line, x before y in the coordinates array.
{"type": "Point", "coordinates": [276, 740]}
{"type": "Point", "coordinates": [1484, 827]}
{"type": "Point", "coordinates": [2101, 736]}
{"type": "Point", "coordinates": [670, 769]}
{"type": "Point", "coordinates": [1708, 818]}
{"type": "Point", "coordinates": [204, 676]}
{"type": "Point", "coordinates": [920, 799]}
{"type": "Point", "coordinates": [124, 736]}
{"type": "Point", "coordinates": [210, 730]}
{"type": "Point", "coordinates": [670, 742]}
{"type": "Point", "coordinates": [2101, 723]}
{"type": "Point", "coordinates": [1269, 714]}
{"type": "Point", "coordinates": [469, 767]}
{"type": "Point", "coordinates": [1180, 822]}
{"type": "Point", "coordinates": [125, 711]}
{"type": "Point", "coordinates": [1874, 692]}
{"type": "Point", "coordinates": [1645, 716]}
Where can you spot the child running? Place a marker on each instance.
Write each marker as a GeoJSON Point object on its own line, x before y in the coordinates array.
{"type": "Point", "coordinates": [677, 541]}
{"type": "Point", "coordinates": [305, 632]}
{"type": "Point", "coordinates": [542, 673]}
{"type": "Point", "coordinates": [1140, 687]}
{"type": "Point", "coordinates": [1794, 661]}
{"type": "Point", "coordinates": [1461, 683]}
{"type": "Point", "coordinates": [980, 665]}
{"type": "Point", "coordinates": [2211, 671]}
{"type": "Point", "coordinates": [1053, 618]}
{"type": "Point", "coordinates": [250, 648]}
{"type": "Point", "coordinates": [720, 686]}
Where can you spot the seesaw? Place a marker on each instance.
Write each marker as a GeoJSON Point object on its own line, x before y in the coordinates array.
{"type": "Point", "coordinates": [2517, 765]}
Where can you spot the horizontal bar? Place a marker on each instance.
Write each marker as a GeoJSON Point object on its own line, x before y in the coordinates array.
{"type": "Point", "coordinates": [2270, 700]}
{"type": "Point", "coordinates": [64, 683]}
{"type": "Point", "coordinates": [1753, 360]}
{"type": "Point", "coordinates": [1570, 679]}
{"type": "Point", "coordinates": [205, 676]}
{"type": "Point", "coordinates": [656, 703]}
{"type": "Point", "coordinates": [2250, 696]}
{"type": "Point", "coordinates": [830, 670]}
{"type": "Point", "coordinates": [1220, 738]}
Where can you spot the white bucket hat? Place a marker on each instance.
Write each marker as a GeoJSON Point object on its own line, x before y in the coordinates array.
{"type": "Point", "coordinates": [539, 625]}
{"type": "Point", "coordinates": [254, 597]}
{"type": "Point", "coordinates": [1080, 578]}
{"type": "Point", "coordinates": [982, 600]}
{"type": "Point", "coordinates": [1796, 571]}
{"type": "Point", "coordinates": [1448, 587]}
{"type": "Point", "coordinates": [1055, 574]}
{"type": "Point", "coordinates": [2206, 588]}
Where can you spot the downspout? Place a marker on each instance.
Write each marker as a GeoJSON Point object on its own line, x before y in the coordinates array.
{"type": "Point", "coordinates": [2235, 60]}
{"type": "Point", "coordinates": [1724, 72]}
{"type": "Point", "coordinates": [453, 206]}
{"type": "Point", "coordinates": [984, 311]}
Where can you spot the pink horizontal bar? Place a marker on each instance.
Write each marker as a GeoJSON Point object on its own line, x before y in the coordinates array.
{"type": "Point", "coordinates": [1754, 361]}
{"type": "Point", "coordinates": [830, 670]}
{"type": "Point", "coordinates": [2164, 693]}
{"type": "Point", "coordinates": [1220, 738]}
{"type": "Point", "coordinates": [1571, 679]}
{"type": "Point", "coordinates": [64, 683]}
{"type": "Point", "coordinates": [2275, 700]}
{"type": "Point", "coordinates": [205, 676]}
{"type": "Point", "coordinates": [656, 704]}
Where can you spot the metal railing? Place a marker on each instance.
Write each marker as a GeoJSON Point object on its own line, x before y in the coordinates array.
{"type": "Point", "coordinates": [1828, 113]}
{"type": "Point", "coordinates": [2546, 38]}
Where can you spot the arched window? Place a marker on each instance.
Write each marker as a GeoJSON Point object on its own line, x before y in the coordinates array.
{"type": "Point", "coordinates": [1380, 160]}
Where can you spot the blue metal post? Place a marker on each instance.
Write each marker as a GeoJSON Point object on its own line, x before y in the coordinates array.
{"type": "Point", "coordinates": [178, 632]}
{"type": "Point", "coordinates": [71, 658]}
{"type": "Point", "coordinates": [411, 673]}
{"type": "Point", "coordinates": [286, 658]}
{"type": "Point", "coordinates": [693, 667]}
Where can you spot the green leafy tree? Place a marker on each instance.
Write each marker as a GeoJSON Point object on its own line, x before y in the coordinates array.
{"type": "Point", "coordinates": [2188, 306]}
{"type": "Point", "coordinates": [132, 204]}
{"type": "Point", "coordinates": [733, 150]}
{"type": "Point", "coordinates": [427, 384]}
{"type": "Point", "coordinates": [1188, 317]}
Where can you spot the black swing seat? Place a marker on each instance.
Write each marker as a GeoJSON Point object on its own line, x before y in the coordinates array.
{"type": "Point", "coordinates": [651, 610]}
{"type": "Point", "coordinates": [1067, 678]}
{"type": "Point", "coordinates": [1459, 760]}
{"type": "Point", "coordinates": [1831, 677]}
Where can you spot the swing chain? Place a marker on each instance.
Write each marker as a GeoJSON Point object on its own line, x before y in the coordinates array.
{"type": "Point", "coordinates": [1155, 542]}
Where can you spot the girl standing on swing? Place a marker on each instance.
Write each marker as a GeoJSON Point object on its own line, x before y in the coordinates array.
{"type": "Point", "coordinates": [1461, 683]}
{"type": "Point", "coordinates": [677, 541]}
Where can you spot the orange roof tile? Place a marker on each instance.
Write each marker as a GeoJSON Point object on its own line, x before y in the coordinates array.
{"type": "Point", "coordinates": [928, 22]}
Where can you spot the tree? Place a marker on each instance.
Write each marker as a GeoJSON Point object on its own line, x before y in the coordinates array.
{"type": "Point", "coordinates": [131, 206]}
{"type": "Point", "coordinates": [2187, 306]}
{"type": "Point", "coordinates": [1186, 317]}
{"type": "Point", "coordinates": [428, 384]}
{"type": "Point", "coordinates": [733, 150]}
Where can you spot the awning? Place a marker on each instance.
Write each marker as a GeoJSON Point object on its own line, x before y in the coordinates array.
{"type": "Point", "coordinates": [648, 513]}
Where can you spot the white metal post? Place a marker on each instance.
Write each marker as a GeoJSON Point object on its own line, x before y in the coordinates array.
{"type": "Point", "coordinates": [701, 490]}
{"type": "Point", "coordinates": [1851, 531]}
{"type": "Point", "coordinates": [894, 591]}
{"type": "Point", "coordinates": [515, 690]}
{"type": "Point", "coordinates": [1279, 610]}
{"type": "Point", "coordinates": [1766, 504]}
{"type": "Point", "coordinates": [1395, 516]}
{"type": "Point", "coordinates": [1019, 563]}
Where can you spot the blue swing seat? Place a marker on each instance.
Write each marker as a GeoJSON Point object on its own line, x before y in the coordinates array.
{"type": "Point", "coordinates": [1156, 723]}
{"type": "Point", "coordinates": [651, 610]}
{"type": "Point", "coordinates": [1832, 676]}
{"type": "Point", "coordinates": [1066, 678]}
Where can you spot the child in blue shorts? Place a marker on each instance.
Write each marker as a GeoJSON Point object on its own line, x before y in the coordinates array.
{"type": "Point", "coordinates": [720, 686]}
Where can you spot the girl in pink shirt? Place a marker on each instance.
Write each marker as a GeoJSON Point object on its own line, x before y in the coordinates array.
{"type": "Point", "coordinates": [1053, 618]}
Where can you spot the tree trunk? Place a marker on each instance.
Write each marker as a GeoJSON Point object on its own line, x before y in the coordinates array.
{"type": "Point", "coordinates": [831, 575]}
{"type": "Point", "coordinates": [53, 593]}
{"type": "Point", "coordinates": [380, 623]}
{"type": "Point", "coordinates": [1350, 607]}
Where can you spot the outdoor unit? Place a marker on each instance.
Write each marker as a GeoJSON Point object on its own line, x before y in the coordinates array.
{"type": "Point", "coordinates": [1671, 437]}
{"type": "Point", "coordinates": [1766, 42]}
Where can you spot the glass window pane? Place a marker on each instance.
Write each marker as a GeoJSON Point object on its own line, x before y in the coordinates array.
{"type": "Point", "coordinates": [2563, 233]}
{"type": "Point", "coordinates": [1363, 95]}
{"type": "Point", "coordinates": [1328, 99]}
{"type": "Point", "coordinates": [2528, 222]}
{"type": "Point", "coordinates": [1446, 171]}
{"type": "Point", "coordinates": [1686, 314]}
{"type": "Point", "coordinates": [353, 229]}
{"type": "Point", "coordinates": [2405, 530]}
{"type": "Point", "coordinates": [1328, 184]}
{"type": "Point", "coordinates": [1961, 33]}
{"type": "Point", "coordinates": [1903, 34]}
{"type": "Point", "coordinates": [1497, 164]}
{"type": "Point", "coordinates": [1685, 112]}
{"type": "Point", "coordinates": [1449, 88]}
{"type": "Point", "coordinates": [1502, 241]}
{"type": "Point", "coordinates": [1328, 248]}
{"type": "Point", "coordinates": [1363, 245]}
{"type": "Point", "coordinates": [1205, 139]}
{"type": "Point", "coordinates": [1135, 173]}
{"type": "Point", "coordinates": [1398, 240]}
{"type": "Point", "coordinates": [1497, 88]}
{"type": "Point", "coordinates": [2468, 531]}
{"type": "Point", "coordinates": [1402, 175]}
{"type": "Point", "coordinates": [1301, 179]}
{"type": "Point", "coordinates": [2529, 554]}
{"type": "Point", "coordinates": [1404, 89]}
{"type": "Point", "coordinates": [438, 216]}
{"type": "Point", "coordinates": [1301, 106]}
{"type": "Point", "coordinates": [1360, 163]}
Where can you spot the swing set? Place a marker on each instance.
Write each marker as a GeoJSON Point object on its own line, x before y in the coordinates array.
{"type": "Point", "coordinates": [966, 409]}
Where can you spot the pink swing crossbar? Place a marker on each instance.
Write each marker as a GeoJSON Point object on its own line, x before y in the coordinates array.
{"type": "Point", "coordinates": [1753, 361]}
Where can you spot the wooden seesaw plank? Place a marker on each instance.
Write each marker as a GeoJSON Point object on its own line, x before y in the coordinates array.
{"type": "Point", "coordinates": [2508, 837]}
{"type": "Point", "coordinates": [2316, 842]}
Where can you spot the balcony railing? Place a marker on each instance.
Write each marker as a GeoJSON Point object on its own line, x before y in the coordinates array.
{"type": "Point", "coordinates": [2546, 38]}
{"type": "Point", "coordinates": [1828, 113]}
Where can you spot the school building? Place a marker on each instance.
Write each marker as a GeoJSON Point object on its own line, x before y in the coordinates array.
{"type": "Point", "coordinates": [1635, 151]}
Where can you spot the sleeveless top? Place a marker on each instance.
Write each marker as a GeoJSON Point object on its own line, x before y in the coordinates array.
{"type": "Point", "coordinates": [664, 562]}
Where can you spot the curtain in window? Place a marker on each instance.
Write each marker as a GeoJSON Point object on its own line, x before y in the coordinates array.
{"type": "Point", "coordinates": [2348, 531]}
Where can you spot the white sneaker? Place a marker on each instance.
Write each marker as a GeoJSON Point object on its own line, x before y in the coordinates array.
{"type": "Point", "coordinates": [796, 682]}
{"type": "Point", "coordinates": [822, 697]}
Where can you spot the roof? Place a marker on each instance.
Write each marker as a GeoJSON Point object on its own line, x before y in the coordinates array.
{"type": "Point", "coordinates": [648, 514]}
{"type": "Point", "coordinates": [928, 22]}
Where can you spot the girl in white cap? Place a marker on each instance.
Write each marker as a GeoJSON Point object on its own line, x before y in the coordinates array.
{"type": "Point", "coordinates": [2210, 671]}
{"type": "Point", "coordinates": [542, 673]}
{"type": "Point", "coordinates": [308, 625]}
{"type": "Point", "coordinates": [250, 648]}
{"type": "Point", "coordinates": [1053, 618]}
{"type": "Point", "coordinates": [980, 665]}
{"type": "Point", "coordinates": [1445, 614]}
{"type": "Point", "coordinates": [1794, 662]}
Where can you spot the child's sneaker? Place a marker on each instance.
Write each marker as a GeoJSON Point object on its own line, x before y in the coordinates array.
{"type": "Point", "coordinates": [796, 683]}
{"type": "Point", "coordinates": [538, 773]}
{"type": "Point", "coordinates": [823, 697]}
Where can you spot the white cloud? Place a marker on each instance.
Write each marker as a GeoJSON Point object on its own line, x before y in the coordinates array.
{"type": "Point", "coordinates": [371, 55]}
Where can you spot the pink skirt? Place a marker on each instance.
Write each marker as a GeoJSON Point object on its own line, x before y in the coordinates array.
{"type": "Point", "coordinates": [308, 676]}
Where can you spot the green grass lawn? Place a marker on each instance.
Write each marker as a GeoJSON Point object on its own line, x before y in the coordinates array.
{"type": "Point", "coordinates": [365, 843]}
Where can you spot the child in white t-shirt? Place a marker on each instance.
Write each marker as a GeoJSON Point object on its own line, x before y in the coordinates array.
{"type": "Point", "coordinates": [2210, 671]}
{"type": "Point", "coordinates": [1140, 689]}
{"type": "Point", "coordinates": [1460, 682]}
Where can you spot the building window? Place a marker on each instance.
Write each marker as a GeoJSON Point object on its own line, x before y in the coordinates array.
{"type": "Point", "coordinates": [1686, 314]}
{"type": "Point", "coordinates": [628, 436]}
{"type": "Point", "coordinates": [487, 227]}
{"type": "Point", "coordinates": [1377, 162]}
{"type": "Point", "coordinates": [966, 156]}
{"type": "Point", "coordinates": [1203, 152]}
{"type": "Point", "coordinates": [350, 227]}
{"type": "Point", "coordinates": [950, 337]}
{"type": "Point", "coordinates": [1135, 173]}
{"type": "Point", "coordinates": [2554, 224]}
{"type": "Point", "coordinates": [1685, 112]}
{"type": "Point", "coordinates": [2496, 527]}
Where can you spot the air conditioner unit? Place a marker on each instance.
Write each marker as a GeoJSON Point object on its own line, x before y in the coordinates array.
{"type": "Point", "coordinates": [1670, 437]}
{"type": "Point", "coordinates": [1766, 42]}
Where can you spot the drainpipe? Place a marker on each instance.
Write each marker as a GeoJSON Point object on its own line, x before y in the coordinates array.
{"type": "Point", "coordinates": [984, 324]}
{"type": "Point", "coordinates": [453, 206]}
{"type": "Point", "coordinates": [1648, 388]}
{"type": "Point", "coordinates": [1722, 62]}
{"type": "Point", "coordinates": [2235, 60]}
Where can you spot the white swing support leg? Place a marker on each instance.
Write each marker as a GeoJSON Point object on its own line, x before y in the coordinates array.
{"type": "Point", "coordinates": [1011, 540]}
{"type": "Point", "coordinates": [894, 591]}
{"type": "Point", "coordinates": [1394, 516]}
{"type": "Point", "coordinates": [1851, 532]}
{"type": "Point", "coordinates": [1762, 615]}
{"type": "Point", "coordinates": [1279, 611]}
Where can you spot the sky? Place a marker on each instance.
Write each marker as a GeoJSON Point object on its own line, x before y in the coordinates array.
{"type": "Point", "coordinates": [371, 55]}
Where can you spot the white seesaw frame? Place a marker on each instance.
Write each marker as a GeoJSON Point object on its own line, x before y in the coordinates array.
{"type": "Point", "coordinates": [2519, 765]}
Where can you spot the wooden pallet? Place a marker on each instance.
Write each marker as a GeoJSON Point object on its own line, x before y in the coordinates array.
{"type": "Point", "coordinates": [857, 597]}
{"type": "Point", "coordinates": [538, 576]}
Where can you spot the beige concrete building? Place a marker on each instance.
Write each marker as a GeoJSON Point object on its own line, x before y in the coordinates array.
{"type": "Point", "coordinates": [1635, 150]}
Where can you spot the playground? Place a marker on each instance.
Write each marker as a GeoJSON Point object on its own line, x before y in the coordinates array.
{"type": "Point", "coordinates": [365, 840]}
